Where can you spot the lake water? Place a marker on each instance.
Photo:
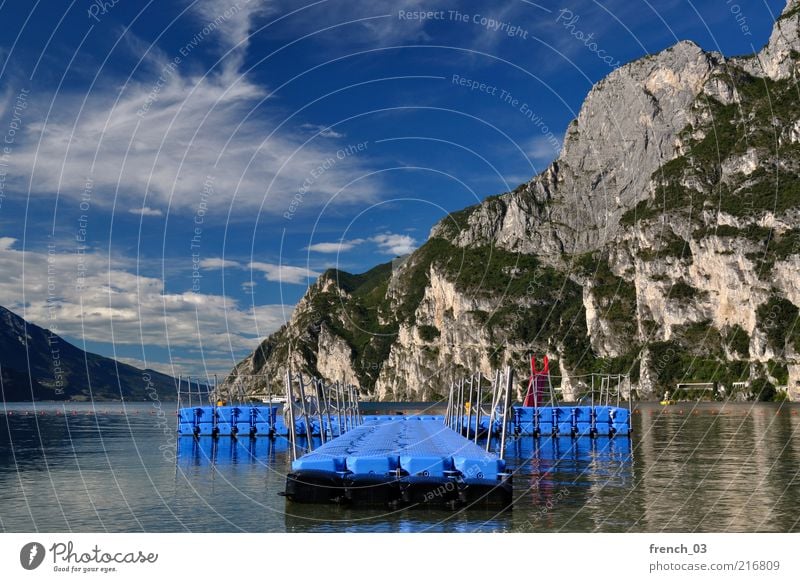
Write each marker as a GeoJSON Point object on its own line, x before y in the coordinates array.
{"type": "Point", "coordinates": [706, 467]}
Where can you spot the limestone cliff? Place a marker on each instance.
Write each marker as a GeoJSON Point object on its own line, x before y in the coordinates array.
{"type": "Point", "coordinates": [662, 243]}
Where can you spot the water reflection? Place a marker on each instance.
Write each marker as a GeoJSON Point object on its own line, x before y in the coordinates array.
{"type": "Point", "coordinates": [686, 468]}
{"type": "Point", "coordinates": [208, 451]}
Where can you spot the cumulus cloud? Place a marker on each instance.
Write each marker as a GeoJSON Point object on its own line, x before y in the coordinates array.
{"type": "Point", "coordinates": [284, 273]}
{"type": "Point", "coordinates": [6, 242]}
{"type": "Point", "coordinates": [78, 295]}
{"type": "Point", "coordinates": [215, 263]}
{"type": "Point", "coordinates": [395, 244]}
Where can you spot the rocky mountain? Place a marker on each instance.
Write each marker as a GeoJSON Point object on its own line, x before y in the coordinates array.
{"type": "Point", "coordinates": [663, 243]}
{"type": "Point", "coordinates": [37, 364]}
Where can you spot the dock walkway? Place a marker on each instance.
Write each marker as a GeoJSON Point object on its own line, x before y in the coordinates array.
{"type": "Point", "coordinates": [407, 460]}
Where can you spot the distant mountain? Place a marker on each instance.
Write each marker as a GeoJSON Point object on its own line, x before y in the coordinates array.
{"type": "Point", "coordinates": [663, 243]}
{"type": "Point", "coordinates": [36, 364]}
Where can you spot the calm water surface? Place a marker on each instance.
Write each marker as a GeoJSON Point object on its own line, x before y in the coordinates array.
{"type": "Point", "coordinates": [709, 467]}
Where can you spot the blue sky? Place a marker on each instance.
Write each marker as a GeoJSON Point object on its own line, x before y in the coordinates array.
{"type": "Point", "coordinates": [176, 173]}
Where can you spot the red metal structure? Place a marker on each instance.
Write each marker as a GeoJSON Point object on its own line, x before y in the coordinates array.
{"type": "Point", "coordinates": [538, 383]}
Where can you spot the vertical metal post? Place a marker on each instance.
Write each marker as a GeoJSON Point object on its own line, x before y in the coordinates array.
{"type": "Point", "coordinates": [328, 410]}
{"type": "Point", "coordinates": [302, 387]}
{"type": "Point", "coordinates": [356, 407]}
{"type": "Point", "coordinates": [178, 404]}
{"type": "Point", "coordinates": [509, 382]}
{"type": "Point", "coordinates": [479, 403]}
{"type": "Point", "coordinates": [469, 412]}
{"type": "Point", "coordinates": [592, 412]}
{"type": "Point", "coordinates": [461, 389]}
{"type": "Point", "coordinates": [338, 407]}
{"type": "Point", "coordinates": [495, 384]}
{"type": "Point", "coordinates": [272, 414]}
{"type": "Point", "coordinates": [457, 405]}
{"type": "Point", "coordinates": [318, 391]}
{"type": "Point", "coordinates": [449, 404]}
{"type": "Point", "coordinates": [348, 424]}
{"type": "Point", "coordinates": [290, 404]}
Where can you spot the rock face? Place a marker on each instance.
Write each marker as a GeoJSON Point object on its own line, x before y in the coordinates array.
{"type": "Point", "coordinates": [663, 243]}
{"type": "Point", "coordinates": [778, 59]}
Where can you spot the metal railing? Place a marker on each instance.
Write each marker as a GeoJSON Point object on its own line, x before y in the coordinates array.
{"type": "Point", "coordinates": [335, 407]}
{"type": "Point", "coordinates": [468, 394]}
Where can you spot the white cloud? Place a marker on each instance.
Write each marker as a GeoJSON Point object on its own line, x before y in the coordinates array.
{"type": "Point", "coordinates": [146, 211]}
{"type": "Point", "coordinates": [157, 138]}
{"type": "Point", "coordinates": [544, 148]}
{"type": "Point", "coordinates": [6, 242]}
{"type": "Point", "coordinates": [216, 263]}
{"type": "Point", "coordinates": [199, 367]}
{"type": "Point", "coordinates": [334, 247]}
{"type": "Point", "coordinates": [116, 305]}
{"type": "Point", "coordinates": [284, 273]}
{"type": "Point", "coordinates": [322, 130]}
{"type": "Point", "coordinates": [395, 244]}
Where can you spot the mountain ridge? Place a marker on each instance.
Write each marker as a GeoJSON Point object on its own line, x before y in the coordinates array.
{"type": "Point", "coordinates": [662, 243]}
{"type": "Point", "coordinates": [37, 364]}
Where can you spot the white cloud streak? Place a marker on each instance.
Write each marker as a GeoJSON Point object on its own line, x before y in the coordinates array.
{"type": "Point", "coordinates": [334, 247]}
{"type": "Point", "coordinates": [215, 263]}
{"type": "Point", "coordinates": [284, 273]}
{"type": "Point", "coordinates": [146, 211]}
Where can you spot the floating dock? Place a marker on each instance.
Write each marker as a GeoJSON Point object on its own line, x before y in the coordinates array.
{"type": "Point", "coordinates": [400, 462]}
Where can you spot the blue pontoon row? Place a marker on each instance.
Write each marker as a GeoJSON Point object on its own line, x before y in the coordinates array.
{"type": "Point", "coordinates": [576, 421]}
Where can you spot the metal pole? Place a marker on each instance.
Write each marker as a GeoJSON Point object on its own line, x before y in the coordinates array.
{"type": "Point", "coordinates": [338, 407]}
{"type": "Point", "coordinates": [509, 382]}
{"type": "Point", "coordinates": [290, 404]}
{"type": "Point", "coordinates": [461, 386]}
{"type": "Point", "coordinates": [592, 414]}
{"type": "Point", "coordinates": [178, 404]}
{"type": "Point", "coordinates": [449, 403]}
{"type": "Point", "coordinates": [305, 409]}
{"type": "Point", "coordinates": [326, 395]}
{"type": "Point", "coordinates": [495, 384]}
{"type": "Point", "coordinates": [479, 403]}
{"type": "Point", "coordinates": [318, 392]}
{"type": "Point", "coordinates": [469, 412]}
{"type": "Point", "coordinates": [356, 407]}
{"type": "Point", "coordinates": [457, 406]}
{"type": "Point", "coordinates": [346, 397]}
